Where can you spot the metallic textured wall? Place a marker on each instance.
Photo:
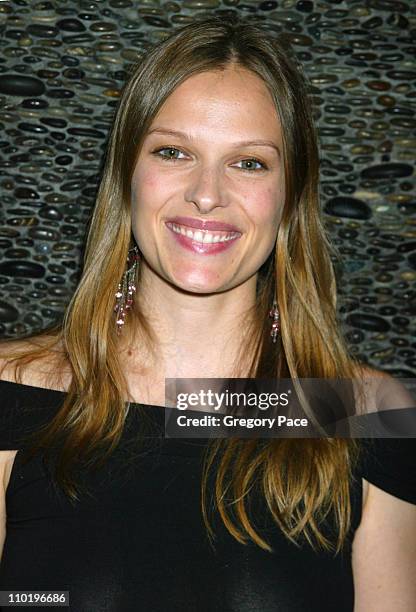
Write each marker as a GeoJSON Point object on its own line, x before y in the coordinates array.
{"type": "Point", "coordinates": [62, 64]}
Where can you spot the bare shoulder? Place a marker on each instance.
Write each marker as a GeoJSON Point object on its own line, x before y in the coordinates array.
{"type": "Point", "coordinates": [9, 350]}
{"type": "Point", "coordinates": [8, 345]}
{"type": "Point", "coordinates": [36, 361]}
{"type": "Point", "coordinates": [384, 554]}
{"type": "Point", "coordinates": [384, 545]}
{"type": "Point", "coordinates": [379, 390]}
{"type": "Point", "coordinates": [370, 372]}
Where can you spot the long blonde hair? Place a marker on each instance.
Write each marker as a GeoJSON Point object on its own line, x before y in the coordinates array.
{"type": "Point", "coordinates": [301, 480]}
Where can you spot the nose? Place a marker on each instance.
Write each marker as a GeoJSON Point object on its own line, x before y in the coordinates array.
{"type": "Point", "coordinates": [206, 189]}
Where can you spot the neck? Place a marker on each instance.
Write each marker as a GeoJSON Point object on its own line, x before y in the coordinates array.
{"type": "Point", "coordinates": [196, 335]}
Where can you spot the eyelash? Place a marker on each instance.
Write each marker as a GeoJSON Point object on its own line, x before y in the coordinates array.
{"type": "Point", "coordinates": [166, 158]}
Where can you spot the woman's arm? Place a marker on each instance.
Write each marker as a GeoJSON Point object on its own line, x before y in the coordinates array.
{"type": "Point", "coordinates": [6, 464]}
{"type": "Point", "coordinates": [384, 554]}
{"type": "Point", "coordinates": [2, 503]}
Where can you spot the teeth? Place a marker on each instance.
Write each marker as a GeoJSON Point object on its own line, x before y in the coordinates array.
{"type": "Point", "coordinates": [203, 236]}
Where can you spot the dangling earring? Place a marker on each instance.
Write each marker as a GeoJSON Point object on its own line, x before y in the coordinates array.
{"type": "Point", "coordinates": [274, 314]}
{"type": "Point", "coordinates": [126, 288]}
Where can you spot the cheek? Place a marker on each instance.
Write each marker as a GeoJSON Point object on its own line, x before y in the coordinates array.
{"type": "Point", "coordinates": [149, 192]}
{"type": "Point", "coordinates": [265, 207]}
{"type": "Point", "coordinates": [144, 184]}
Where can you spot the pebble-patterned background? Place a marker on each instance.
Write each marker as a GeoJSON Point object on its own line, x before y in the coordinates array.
{"type": "Point", "coordinates": [62, 65]}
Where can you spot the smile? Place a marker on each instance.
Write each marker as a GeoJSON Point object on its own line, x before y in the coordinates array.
{"type": "Point", "coordinates": [202, 241]}
{"type": "Point", "coordinates": [204, 237]}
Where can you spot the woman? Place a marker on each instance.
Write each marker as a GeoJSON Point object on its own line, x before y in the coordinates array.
{"type": "Point", "coordinates": [210, 192]}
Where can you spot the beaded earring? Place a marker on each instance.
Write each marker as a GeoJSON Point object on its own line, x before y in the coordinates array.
{"type": "Point", "coordinates": [274, 314]}
{"type": "Point", "coordinates": [126, 288]}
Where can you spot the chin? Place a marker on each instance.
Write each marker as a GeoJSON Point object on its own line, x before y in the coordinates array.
{"type": "Point", "coordinates": [197, 280]}
{"type": "Point", "coordinates": [198, 288]}
{"type": "Point", "coordinates": [197, 285]}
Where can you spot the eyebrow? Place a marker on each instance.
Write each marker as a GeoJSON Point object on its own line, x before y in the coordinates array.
{"type": "Point", "coordinates": [243, 143]}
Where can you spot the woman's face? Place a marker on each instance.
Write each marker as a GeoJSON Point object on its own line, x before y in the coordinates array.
{"type": "Point", "coordinates": [208, 187]}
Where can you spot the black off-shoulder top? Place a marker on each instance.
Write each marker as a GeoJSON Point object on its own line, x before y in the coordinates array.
{"type": "Point", "coordinates": [138, 542]}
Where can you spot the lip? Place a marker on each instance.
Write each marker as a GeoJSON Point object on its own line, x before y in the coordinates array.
{"type": "Point", "coordinates": [203, 224]}
{"type": "Point", "coordinates": [199, 247]}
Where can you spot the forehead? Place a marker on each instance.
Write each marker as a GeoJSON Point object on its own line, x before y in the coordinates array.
{"type": "Point", "coordinates": [233, 99]}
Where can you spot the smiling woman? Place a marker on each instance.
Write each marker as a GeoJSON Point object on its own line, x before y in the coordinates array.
{"type": "Point", "coordinates": [221, 192]}
{"type": "Point", "coordinates": [206, 257]}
